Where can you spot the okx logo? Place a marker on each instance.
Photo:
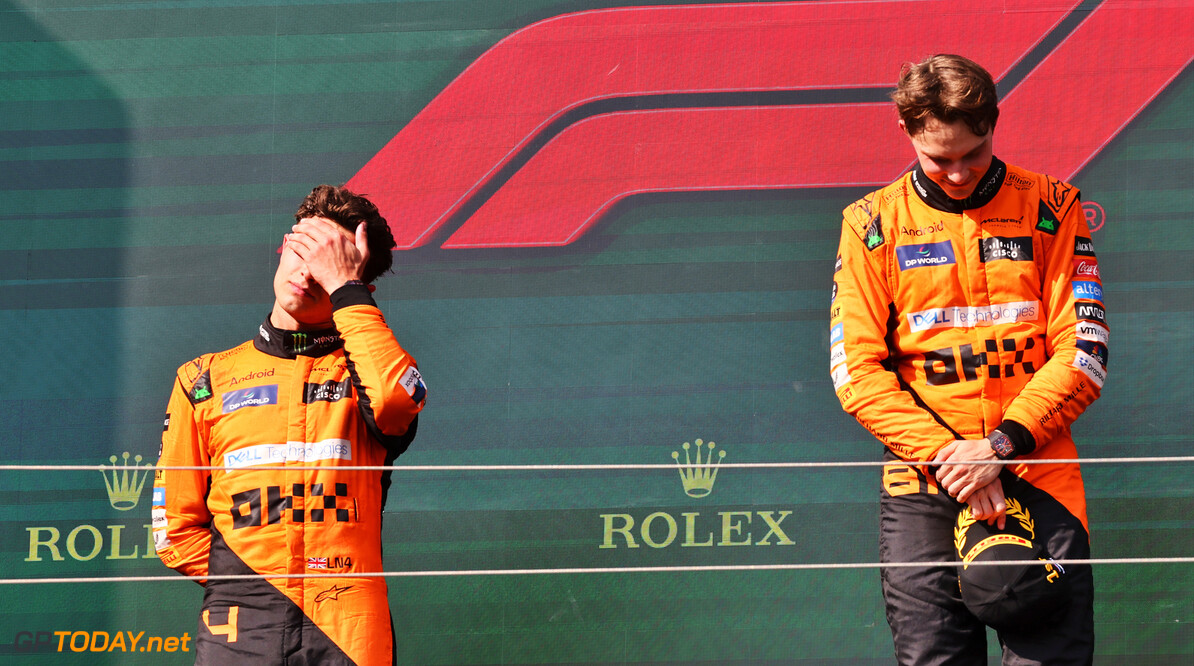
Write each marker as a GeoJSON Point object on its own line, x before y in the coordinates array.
{"type": "Point", "coordinates": [601, 105]}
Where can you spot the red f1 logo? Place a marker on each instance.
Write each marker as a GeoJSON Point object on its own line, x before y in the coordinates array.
{"type": "Point", "coordinates": [539, 137]}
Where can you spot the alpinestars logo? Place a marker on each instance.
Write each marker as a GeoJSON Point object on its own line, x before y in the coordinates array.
{"type": "Point", "coordinates": [332, 593]}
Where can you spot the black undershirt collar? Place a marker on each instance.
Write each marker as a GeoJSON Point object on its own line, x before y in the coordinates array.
{"type": "Point", "coordinates": [289, 344]}
{"type": "Point", "coordinates": [988, 186]}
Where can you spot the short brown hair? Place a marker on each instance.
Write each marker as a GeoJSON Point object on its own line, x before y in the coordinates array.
{"type": "Point", "coordinates": [348, 210]}
{"type": "Point", "coordinates": [949, 88]}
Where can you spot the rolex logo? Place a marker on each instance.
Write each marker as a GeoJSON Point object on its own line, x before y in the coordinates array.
{"type": "Point", "coordinates": [124, 486]}
{"type": "Point", "coordinates": [697, 475]}
{"type": "Point", "coordinates": [659, 529]}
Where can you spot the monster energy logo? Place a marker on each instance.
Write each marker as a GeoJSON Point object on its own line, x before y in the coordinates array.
{"type": "Point", "coordinates": [300, 342]}
{"type": "Point", "coordinates": [874, 235]}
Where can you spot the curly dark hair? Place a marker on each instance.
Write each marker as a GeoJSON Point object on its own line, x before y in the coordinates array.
{"type": "Point", "coordinates": [949, 88]}
{"type": "Point", "coordinates": [348, 210]}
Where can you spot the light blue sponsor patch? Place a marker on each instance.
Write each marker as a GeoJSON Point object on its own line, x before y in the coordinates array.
{"type": "Point", "coordinates": [159, 497]}
{"type": "Point", "coordinates": [836, 334]}
{"type": "Point", "coordinates": [1088, 290]}
{"type": "Point", "coordinates": [253, 396]}
{"type": "Point", "coordinates": [925, 254]}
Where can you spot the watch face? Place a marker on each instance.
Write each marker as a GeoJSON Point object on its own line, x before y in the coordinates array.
{"type": "Point", "coordinates": [1002, 445]}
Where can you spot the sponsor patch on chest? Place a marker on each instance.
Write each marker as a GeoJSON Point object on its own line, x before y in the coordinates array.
{"type": "Point", "coordinates": [329, 391]}
{"type": "Point", "coordinates": [971, 317]}
{"type": "Point", "coordinates": [297, 452]}
{"type": "Point", "coordinates": [254, 396]}
{"type": "Point", "coordinates": [925, 254]}
{"type": "Point", "coordinates": [1011, 248]}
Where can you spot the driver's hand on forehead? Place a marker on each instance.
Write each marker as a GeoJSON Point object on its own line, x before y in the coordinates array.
{"type": "Point", "coordinates": [334, 255]}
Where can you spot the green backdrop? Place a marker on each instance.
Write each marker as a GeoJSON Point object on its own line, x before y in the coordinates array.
{"type": "Point", "coordinates": [152, 155]}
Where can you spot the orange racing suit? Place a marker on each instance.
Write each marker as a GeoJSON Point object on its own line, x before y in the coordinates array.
{"type": "Point", "coordinates": [347, 396]}
{"type": "Point", "coordinates": [951, 319]}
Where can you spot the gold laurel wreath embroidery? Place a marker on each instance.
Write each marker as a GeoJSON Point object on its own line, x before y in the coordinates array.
{"type": "Point", "coordinates": [1017, 511]}
{"type": "Point", "coordinates": [966, 519]}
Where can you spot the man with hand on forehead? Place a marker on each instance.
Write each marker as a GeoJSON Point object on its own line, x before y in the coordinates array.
{"type": "Point", "coordinates": [324, 385]}
{"type": "Point", "coordinates": [967, 332]}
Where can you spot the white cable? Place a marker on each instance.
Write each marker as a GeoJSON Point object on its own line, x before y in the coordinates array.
{"type": "Point", "coordinates": [600, 570]}
{"type": "Point", "coordinates": [582, 467]}
{"type": "Point", "coordinates": [611, 466]}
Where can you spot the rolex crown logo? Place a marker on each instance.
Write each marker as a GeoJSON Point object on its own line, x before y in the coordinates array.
{"type": "Point", "coordinates": [697, 475]}
{"type": "Point", "coordinates": [124, 486]}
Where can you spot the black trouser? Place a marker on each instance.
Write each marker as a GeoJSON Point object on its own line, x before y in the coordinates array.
{"type": "Point", "coordinates": [930, 624]}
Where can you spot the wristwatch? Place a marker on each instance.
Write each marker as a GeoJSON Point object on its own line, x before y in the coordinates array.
{"type": "Point", "coordinates": [1002, 445]}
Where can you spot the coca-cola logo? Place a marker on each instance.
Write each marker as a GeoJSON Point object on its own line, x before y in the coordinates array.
{"type": "Point", "coordinates": [1085, 268]}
